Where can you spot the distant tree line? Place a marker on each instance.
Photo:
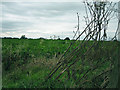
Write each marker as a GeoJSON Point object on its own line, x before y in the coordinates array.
{"type": "Point", "coordinates": [24, 37]}
{"type": "Point", "coordinates": [9, 38]}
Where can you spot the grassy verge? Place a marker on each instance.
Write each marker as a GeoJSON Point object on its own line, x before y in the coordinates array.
{"type": "Point", "coordinates": [26, 63]}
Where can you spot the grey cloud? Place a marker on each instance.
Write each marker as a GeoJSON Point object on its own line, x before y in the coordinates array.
{"type": "Point", "coordinates": [13, 8]}
{"type": "Point", "coordinates": [41, 8]}
{"type": "Point", "coordinates": [12, 26]}
{"type": "Point", "coordinates": [41, 16]}
{"type": "Point", "coordinates": [41, 11]}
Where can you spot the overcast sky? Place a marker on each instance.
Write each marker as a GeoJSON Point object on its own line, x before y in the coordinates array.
{"type": "Point", "coordinates": [43, 19]}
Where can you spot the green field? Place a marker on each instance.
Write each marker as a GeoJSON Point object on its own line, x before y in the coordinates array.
{"type": "Point", "coordinates": [27, 62]}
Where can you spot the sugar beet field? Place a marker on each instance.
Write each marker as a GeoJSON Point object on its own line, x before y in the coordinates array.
{"type": "Point", "coordinates": [28, 62]}
{"type": "Point", "coordinates": [88, 60]}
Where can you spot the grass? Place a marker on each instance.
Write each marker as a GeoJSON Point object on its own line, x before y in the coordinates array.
{"type": "Point", "coordinates": [27, 62]}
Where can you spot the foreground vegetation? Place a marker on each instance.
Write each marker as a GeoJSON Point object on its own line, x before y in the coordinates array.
{"type": "Point", "coordinates": [27, 62]}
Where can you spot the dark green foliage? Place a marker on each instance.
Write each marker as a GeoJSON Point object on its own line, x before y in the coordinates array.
{"type": "Point", "coordinates": [42, 38]}
{"type": "Point", "coordinates": [27, 62]}
{"type": "Point", "coordinates": [15, 50]}
{"type": "Point", "coordinates": [23, 37]}
{"type": "Point", "coordinates": [67, 38]}
{"type": "Point", "coordinates": [58, 39]}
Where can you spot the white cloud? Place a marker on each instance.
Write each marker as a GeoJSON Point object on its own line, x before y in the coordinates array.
{"type": "Point", "coordinates": [42, 19]}
{"type": "Point", "coordinates": [54, 0]}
